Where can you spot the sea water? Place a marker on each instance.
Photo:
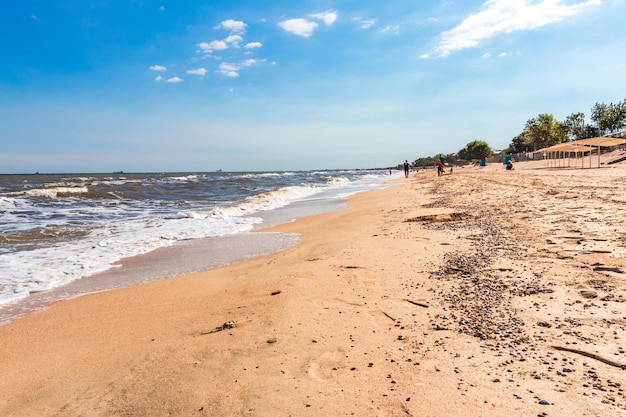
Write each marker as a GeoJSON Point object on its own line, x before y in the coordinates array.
{"type": "Point", "coordinates": [59, 229]}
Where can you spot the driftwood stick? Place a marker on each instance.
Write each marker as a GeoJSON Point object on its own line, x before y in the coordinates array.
{"type": "Point", "coordinates": [416, 303]}
{"type": "Point", "coordinates": [592, 356]}
{"type": "Point", "coordinates": [452, 269]}
{"type": "Point", "coordinates": [388, 316]}
{"type": "Point", "coordinates": [228, 325]}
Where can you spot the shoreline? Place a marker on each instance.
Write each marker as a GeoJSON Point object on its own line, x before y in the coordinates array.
{"type": "Point", "coordinates": [80, 226]}
{"type": "Point", "coordinates": [182, 258]}
{"type": "Point", "coordinates": [474, 291]}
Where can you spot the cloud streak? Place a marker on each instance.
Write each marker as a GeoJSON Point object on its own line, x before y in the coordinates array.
{"type": "Point", "coordinates": [506, 16]}
{"type": "Point", "coordinates": [300, 27]}
{"type": "Point", "coordinates": [209, 47]}
{"type": "Point", "coordinates": [364, 23]}
{"type": "Point", "coordinates": [200, 72]}
{"type": "Point", "coordinates": [229, 70]}
{"type": "Point", "coordinates": [328, 17]}
{"type": "Point", "coordinates": [234, 26]}
{"type": "Point", "coordinates": [306, 27]}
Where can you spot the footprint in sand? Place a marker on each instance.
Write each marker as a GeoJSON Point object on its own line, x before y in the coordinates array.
{"type": "Point", "coordinates": [327, 365]}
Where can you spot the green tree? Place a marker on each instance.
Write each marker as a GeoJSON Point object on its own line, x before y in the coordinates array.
{"type": "Point", "coordinates": [592, 131]}
{"type": "Point", "coordinates": [543, 131]}
{"type": "Point", "coordinates": [464, 154]}
{"type": "Point", "coordinates": [478, 149]}
{"type": "Point", "coordinates": [609, 118]}
{"type": "Point", "coordinates": [451, 158]}
{"type": "Point", "coordinates": [425, 161]}
{"type": "Point", "coordinates": [518, 144]}
{"type": "Point", "coordinates": [575, 126]}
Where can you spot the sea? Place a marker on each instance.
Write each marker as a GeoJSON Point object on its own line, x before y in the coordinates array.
{"type": "Point", "coordinates": [65, 235]}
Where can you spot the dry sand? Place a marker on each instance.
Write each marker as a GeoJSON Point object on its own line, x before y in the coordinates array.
{"type": "Point", "coordinates": [481, 293]}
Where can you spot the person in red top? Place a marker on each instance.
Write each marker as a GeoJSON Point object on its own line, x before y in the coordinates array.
{"type": "Point", "coordinates": [439, 167]}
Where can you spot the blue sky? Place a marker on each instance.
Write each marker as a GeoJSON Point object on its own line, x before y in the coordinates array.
{"type": "Point", "coordinates": [170, 85]}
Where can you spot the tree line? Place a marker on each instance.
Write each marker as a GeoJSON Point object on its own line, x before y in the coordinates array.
{"type": "Point", "coordinates": [544, 131]}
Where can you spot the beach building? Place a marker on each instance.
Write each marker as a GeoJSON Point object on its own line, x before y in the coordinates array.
{"type": "Point", "coordinates": [584, 153]}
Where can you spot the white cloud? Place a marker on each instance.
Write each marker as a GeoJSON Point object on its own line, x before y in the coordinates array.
{"type": "Point", "coordinates": [220, 45]}
{"type": "Point", "coordinates": [300, 27]}
{"type": "Point", "coordinates": [235, 26]}
{"type": "Point", "coordinates": [327, 17]}
{"type": "Point", "coordinates": [158, 78]}
{"type": "Point", "coordinates": [506, 16]}
{"type": "Point", "coordinates": [389, 28]}
{"type": "Point", "coordinates": [200, 71]}
{"type": "Point", "coordinates": [232, 70]}
{"type": "Point", "coordinates": [365, 23]}
{"type": "Point", "coordinates": [158, 68]}
{"type": "Point", "coordinates": [251, 45]}
{"type": "Point", "coordinates": [233, 40]}
{"type": "Point", "coordinates": [229, 70]}
{"type": "Point", "coordinates": [251, 62]}
{"type": "Point", "coordinates": [174, 80]}
{"type": "Point", "coordinates": [209, 47]}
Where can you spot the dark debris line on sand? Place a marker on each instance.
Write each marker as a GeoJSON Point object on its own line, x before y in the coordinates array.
{"type": "Point", "coordinates": [480, 300]}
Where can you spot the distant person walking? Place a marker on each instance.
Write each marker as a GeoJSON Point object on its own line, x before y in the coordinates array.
{"type": "Point", "coordinates": [439, 168]}
{"type": "Point", "coordinates": [406, 168]}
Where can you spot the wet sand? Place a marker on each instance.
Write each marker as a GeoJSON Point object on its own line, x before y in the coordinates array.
{"type": "Point", "coordinates": [185, 257]}
{"type": "Point", "coordinates": [479, 293]}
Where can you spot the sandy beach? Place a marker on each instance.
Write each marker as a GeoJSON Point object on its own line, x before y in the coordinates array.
{"type": "Point", "coordinates": [484, 292]}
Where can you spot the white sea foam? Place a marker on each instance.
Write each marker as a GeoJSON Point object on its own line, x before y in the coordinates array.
{"type": "Point", "coordinates": [42, 269]}
{"type": "Point", "coordinates": [274, 199]}
{"type": "Point", "coordinates": [100, 220]}
{"type": "Point", "coordinates": [53, 192]}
